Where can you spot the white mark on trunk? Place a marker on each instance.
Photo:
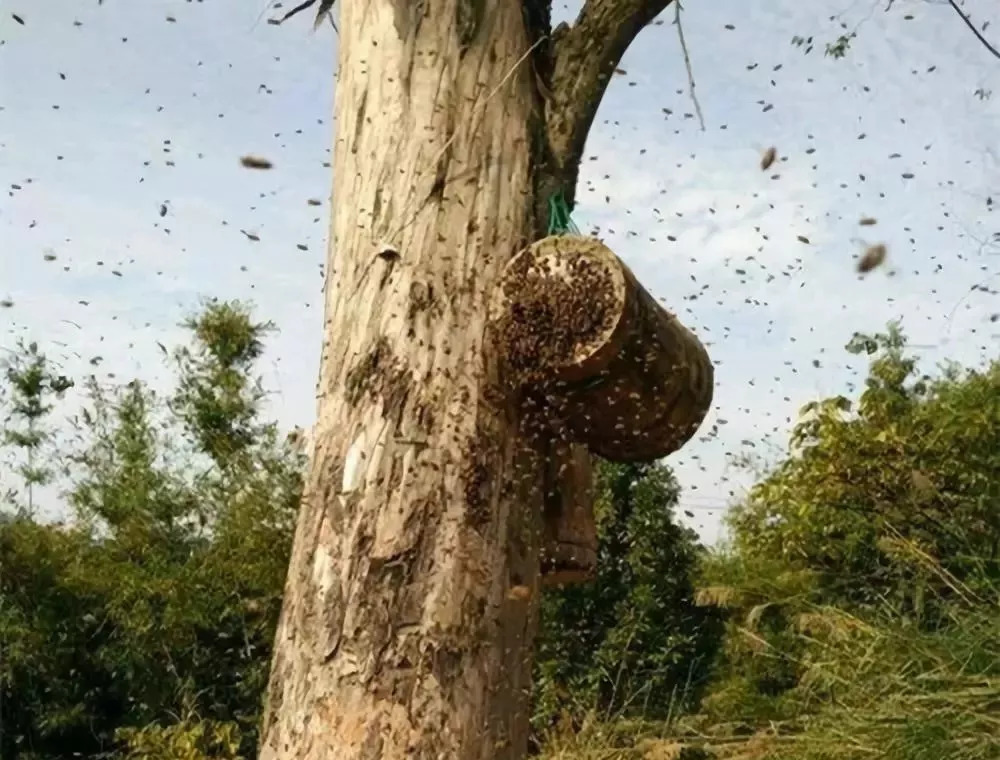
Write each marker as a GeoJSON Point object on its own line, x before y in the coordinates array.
{"type": "Point", "coordinates": [353, 465]}
{"type": "Point", "coordinates": [379, 449]}
{"type": "Point", "coordinates": [324, 570]}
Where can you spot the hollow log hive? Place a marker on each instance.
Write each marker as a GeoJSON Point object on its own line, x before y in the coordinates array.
{"type": "Point", "coordinates": [604, 367]}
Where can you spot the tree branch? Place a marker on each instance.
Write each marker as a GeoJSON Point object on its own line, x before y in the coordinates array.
{"type": "Point", "coordinates": [979, 35]}
{"type": "Point", "coordinates": [584, 58]}
{"type": "Point", "coordinates": [687, 63]}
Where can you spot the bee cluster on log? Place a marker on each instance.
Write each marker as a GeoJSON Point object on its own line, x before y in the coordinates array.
{"type": "Point", "coordinates": [607, 365]}
{"type": "Point", "coordinates": [598, 367]}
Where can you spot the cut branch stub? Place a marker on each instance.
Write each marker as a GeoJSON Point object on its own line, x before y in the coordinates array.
{"type": "Point", "coordinates": [614, 370]}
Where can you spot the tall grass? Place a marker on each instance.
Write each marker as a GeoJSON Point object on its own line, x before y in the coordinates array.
{"type": "Point", "coordinates": [874, 686]}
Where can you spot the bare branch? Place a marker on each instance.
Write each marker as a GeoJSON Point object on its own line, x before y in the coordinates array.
{"type": "Point", "coordinates": [687, 63]}
{"type": "Point", "coordinates": [584, 57]}
{"type": "Point", "coordinates": [297, 9]}
{"type": "Point", "coordinates": [325, 11]}
{"type": "Point", "coordinates": [979, 35]}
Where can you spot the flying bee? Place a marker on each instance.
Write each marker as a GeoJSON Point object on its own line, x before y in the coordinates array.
{"type": "Point", "coordinates": [255, 162]}
{"type": "Point", "coordinates": [873, 257]}
{"type": "Point", "coordinates": [769, 157]}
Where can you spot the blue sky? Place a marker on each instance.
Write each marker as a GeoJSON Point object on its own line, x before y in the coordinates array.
{"type": "Point", "coordinates": [154, 111]}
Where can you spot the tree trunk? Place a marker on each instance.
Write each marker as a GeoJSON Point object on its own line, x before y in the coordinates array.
{"type": "Point", "coordinates": [411, 597]}
{"type": "Point", "coordinates": [397, 637]}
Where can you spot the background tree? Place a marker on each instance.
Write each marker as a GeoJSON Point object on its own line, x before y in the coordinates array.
{"type": "Point", "coordinates": [31, 386]}
{"type": "Point", "coordinates": [861, 584]}
{"type": "Point", "coordinates": [911, 472]}
{"type": "Point", "coordinates": [632, 642]}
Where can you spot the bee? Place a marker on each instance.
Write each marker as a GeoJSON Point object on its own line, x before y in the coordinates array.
{"type": "Point", "coordinates": [769, 157]}
{"type": "Point", "coordinates": [255, 162]}
{"type": "Point", "coordinates": [872, 258]}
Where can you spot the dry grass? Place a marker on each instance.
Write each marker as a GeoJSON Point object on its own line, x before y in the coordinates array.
{"type": "Point", "coordinates": [878, 688]}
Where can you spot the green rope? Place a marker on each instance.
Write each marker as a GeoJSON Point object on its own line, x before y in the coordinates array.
{"type": "Point", "coordinates": [560, 222]}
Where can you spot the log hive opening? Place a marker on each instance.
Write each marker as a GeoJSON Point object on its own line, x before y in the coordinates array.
{"type": "Point", "coordinates": [554, 303]}
{"type": "Point", "coordinates": [614, 369]}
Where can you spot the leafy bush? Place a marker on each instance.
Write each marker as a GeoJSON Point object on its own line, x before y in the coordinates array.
{"type": "Point", "coordinates": [869, 501]}
{"type": "Point", "coordinates": [861, 583]}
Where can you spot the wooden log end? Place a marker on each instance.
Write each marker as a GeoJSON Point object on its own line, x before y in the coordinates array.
{"type": "Point", "coordinates": [615, 370]}
{"type": "Point", "coordinates": [557, 309]}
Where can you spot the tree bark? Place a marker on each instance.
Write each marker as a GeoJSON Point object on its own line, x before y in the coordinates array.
{"type": "Point", "coordinates": [412, 591]}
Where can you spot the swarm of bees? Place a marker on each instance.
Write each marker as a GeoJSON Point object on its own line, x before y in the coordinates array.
{"type": "Point", "coordinates": [873, 255]}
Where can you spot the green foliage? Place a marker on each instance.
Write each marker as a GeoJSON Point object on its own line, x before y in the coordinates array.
{"type": "Point", "coordinates": [162, 598]}
{"type": "Point", "coordinates": [216, 400]}
{"type": "Point", "coordinates": [860, 588]}
{"type": "Point", "coordinates": [192, 738]}
{"type": "Point", "coordinates": [30, 388]}
{"type": "Point", "coordinates": [862, 581]}
{"type": "Point", "coordinates": [52, 682]}
{"type": "Point", "coordinates": [840, 47]}
{"type": "Point", "coordinates": [854, 614]}
{"type": "Point", "coordinates": [871, 501]}
{"type": "Point", "coordinates": [632, 642]}
{"type": "Point", "coordinates": [837, 49]}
